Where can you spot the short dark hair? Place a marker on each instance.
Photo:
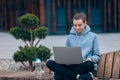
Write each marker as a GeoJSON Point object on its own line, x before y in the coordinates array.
{"type": "Point", "coordinates": [80, 15]}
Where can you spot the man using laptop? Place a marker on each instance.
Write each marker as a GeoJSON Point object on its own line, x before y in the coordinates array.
{"type": "Point", "coordinates": [80, 35]}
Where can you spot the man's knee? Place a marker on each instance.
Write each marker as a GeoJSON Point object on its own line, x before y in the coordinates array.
{"type": "Point", "coordinates": [89, 64]}
{"type": "Point", "coordinates": [50, 63]}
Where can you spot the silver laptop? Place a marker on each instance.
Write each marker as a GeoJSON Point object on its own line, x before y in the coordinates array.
{"type": "Point", "coordinates": [67, 55]}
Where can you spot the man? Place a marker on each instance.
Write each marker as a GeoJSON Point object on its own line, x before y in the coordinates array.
{"type": "Point", "coordinates": [80, 35]}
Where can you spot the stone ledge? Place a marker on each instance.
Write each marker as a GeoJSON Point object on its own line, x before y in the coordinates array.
{"type": "Point", "coordinates": [24, 74]}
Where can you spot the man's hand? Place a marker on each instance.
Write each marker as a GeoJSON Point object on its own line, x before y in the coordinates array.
{"type": "Point", "coordinates": [89, 59]}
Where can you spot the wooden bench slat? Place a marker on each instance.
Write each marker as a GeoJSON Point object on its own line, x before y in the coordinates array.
{"type": "Point", "coordinates": [108, 65]}
{"type": "Point", "coordinates": [114, 79]}
{"type": "Point", "coordinates": [116, 65]}
{"type": "Point", "coordinates": [100, 71]}
{"type": "Point", "coordinates": [99, 78]}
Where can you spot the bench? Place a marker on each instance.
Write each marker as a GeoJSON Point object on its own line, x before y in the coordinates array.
{"type": "Point", "coordinates": [109, 66]}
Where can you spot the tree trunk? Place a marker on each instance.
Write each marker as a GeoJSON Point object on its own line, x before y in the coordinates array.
{"type": "Point", "coordinates": [31, 66]}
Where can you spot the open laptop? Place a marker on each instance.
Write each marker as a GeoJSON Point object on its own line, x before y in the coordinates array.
{"type": "Point", "coordinates": [67, 55]}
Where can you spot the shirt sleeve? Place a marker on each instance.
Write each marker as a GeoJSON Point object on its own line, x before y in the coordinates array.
{"type": "Point", "coordinates": [96, 50]}
{"type": "Point", "coordinates": [68, 42]}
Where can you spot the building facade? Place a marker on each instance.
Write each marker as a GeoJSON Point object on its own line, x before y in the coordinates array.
{"type": "Point", "coordinates": [102, 15]}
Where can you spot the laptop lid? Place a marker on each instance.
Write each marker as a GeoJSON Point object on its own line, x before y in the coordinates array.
{"type": "Point", "coordinates": [67, 55]}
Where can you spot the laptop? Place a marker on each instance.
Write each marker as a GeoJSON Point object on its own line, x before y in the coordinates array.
{"type": "Point", "coordinates": [67, 55]}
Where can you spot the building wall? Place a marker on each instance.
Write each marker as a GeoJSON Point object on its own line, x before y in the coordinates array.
{"type": "Point", "coordinates": [102, 15]}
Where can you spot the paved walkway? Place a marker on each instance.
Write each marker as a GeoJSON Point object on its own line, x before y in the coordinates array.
{"type": "Point", "coordinates": [8, 45]}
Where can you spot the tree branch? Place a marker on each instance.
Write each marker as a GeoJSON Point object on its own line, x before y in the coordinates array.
{"type": "Point", "coordinates": [37, 42]}
{"type": "Point", "coordinates": [24, 65]}
{"type": "Point", "coordinates": [25, 42]}
{"type": "Point", "coordinates": [31, 41]}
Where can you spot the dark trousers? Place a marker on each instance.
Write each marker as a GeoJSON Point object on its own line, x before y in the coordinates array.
{"type": "Point", "coordinates": [69, 72]}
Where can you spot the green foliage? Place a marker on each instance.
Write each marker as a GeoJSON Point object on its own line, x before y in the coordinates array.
{"type": "Point", "coordinates": [29, 20]}
{"type": "Point", "coordinates": [43, 53]}
{"type": "Point", "coordinates": [30, 53]}
{"type": "Point", "coordinates": [20, 33]}
{"type": "Point", "coordinates": [28, 31]}
{"type": "Point", "coordinates": [19, 56]}
{"type": "Point", "coordinates": [41, 32]}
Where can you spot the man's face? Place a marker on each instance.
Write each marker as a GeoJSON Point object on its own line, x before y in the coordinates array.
{"type": "Point", "coordinates": [79, 25]}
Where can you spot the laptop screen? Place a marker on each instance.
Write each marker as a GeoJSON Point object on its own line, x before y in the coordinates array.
{"type": "Point", "coordinates": [67, 55]}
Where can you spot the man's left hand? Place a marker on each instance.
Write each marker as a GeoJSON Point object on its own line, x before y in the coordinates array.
{"type": "Point", "coordinates": [89, 59]}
